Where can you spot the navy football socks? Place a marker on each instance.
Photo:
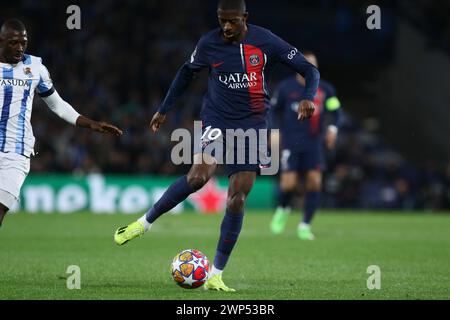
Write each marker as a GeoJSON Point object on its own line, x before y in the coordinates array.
{"type": "Point", "coordinates": [229, 232]}
{"type": "Point", "coordinates": [285, 198]}
{"type": "Point", "coordinates": [175, 194]}
{"type": "Point", "coordinates": [312, 200]}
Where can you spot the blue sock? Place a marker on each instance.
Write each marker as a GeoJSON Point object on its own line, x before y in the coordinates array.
{"type": "Point", "coordinates": [285, 198]}
{"type": "Point", "coordinates": [229, 232]}
{"type": "Point", "coordinates": [312, 200]}
{"type": "Point", "coordinates": [175, 194]}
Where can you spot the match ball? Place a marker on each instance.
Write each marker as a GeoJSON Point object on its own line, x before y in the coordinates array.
{"type": "Point", "coordinates": [190, 269]}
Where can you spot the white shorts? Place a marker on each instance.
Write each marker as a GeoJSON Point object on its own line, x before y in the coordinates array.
{"type": "Point", "coordinates": [14, 169]}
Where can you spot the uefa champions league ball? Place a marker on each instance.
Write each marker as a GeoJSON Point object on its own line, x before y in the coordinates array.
{"type": "Point", "coordinates": [190, 269]}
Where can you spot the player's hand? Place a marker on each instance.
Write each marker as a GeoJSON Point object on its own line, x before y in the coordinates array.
{"type": "Point", "coordinates": [157, 120]}
{"type": "Point", "coordinates": [105, 127]}
{"type": "Point", "coordinates": [306, 109]}
{"type": "Point", "coordinates": [330, 138]}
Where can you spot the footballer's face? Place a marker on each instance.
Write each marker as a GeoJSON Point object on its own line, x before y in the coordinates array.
{"type": "Point", "coordinates": [233, 24]}
{"type": "Point", "coordinates": [13, 44]}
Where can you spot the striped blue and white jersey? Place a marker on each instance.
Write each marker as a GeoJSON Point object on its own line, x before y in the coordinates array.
{"type": "Point", "coordinates": [18, 83]}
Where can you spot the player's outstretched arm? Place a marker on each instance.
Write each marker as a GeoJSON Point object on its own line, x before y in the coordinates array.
{"type": "Point", "coordinates": [98, 126]}
{"type": "Point", "coordinates": [295, 60]}
{"type": "Point", "coordinates": [180, 83]}
{"type": "Point", "coordinates": [65, 111]}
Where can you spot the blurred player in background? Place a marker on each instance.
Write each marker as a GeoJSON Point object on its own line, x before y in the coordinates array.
{"type": "Point", "coordinates": [238, 56]}
{"type": "Point", "coordinates": [302, 145]}
{"type": "Point", "coordinates": [21, 76]}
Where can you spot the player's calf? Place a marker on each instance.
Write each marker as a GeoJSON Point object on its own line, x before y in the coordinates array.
{"type": "Point", "coordinates": [201, 172]}
{"type": "Point", "coordinates": [311, 204]}
{"type": "Point", "coordinates": [236, 202]}
{"type": "Point", "coordinates": [240, 185]}
{"type": "Point", "coordinates": [197, 181]}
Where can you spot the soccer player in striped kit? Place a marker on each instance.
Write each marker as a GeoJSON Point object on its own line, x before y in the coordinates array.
{"type": "Point", "coordinates": [21, 75]}
{"type": "Point", "coordinates": [239, 57]}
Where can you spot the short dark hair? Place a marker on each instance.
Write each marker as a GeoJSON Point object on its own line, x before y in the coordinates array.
{"type": "Point", "coordinates": [238, 5]}
{"type": "Point", "coordinates": [13, 24]}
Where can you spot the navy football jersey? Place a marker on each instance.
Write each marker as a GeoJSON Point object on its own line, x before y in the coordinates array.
{"type": "Point", "coordinates": [238, 95]}
{"type": "Point", "coordinates": [285, 102]}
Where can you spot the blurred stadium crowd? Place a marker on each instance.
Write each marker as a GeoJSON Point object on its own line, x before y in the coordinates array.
{"type": "Point", "coordinates": [365, 172]}
{"type": "Point", "coordinates": [118, 68]}
{"type": "Point", "coordinates": [432, 18]}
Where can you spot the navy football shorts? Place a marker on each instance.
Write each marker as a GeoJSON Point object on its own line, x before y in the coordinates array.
{"type": "Point", "coordinates": [238, 149]}
{"type": "Point", "coordinates": [310, 157]}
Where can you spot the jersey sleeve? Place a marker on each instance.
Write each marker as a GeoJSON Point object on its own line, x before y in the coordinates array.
{"type": "Point", "coordinates": [294, 59]}
{"type": "Point", "coordinates": [197, 61]}
{"type": "Point", "coordinates": [45, 85]}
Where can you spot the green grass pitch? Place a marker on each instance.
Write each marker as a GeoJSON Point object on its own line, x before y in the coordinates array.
{"type": "Point", "coordinates": [411, 249]}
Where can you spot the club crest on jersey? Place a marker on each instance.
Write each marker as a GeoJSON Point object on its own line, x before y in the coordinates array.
{"type": "Point", "coordinates": [28, 72]}
{"type": "Point", "coordinates": [254, 60]}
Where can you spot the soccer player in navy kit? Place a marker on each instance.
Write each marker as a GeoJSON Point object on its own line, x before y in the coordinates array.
{"type": "Point", "coordinates": [238, 56]}
{"type": "Point", "coordinates": [302, 145]}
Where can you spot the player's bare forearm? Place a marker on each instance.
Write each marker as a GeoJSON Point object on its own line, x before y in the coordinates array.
{"type": "Point", "coordinates": [156, 122]}
{"type": "Point", "coordinates": [98, 126]}
{"type": "Point", "coordinates": [306, 109]}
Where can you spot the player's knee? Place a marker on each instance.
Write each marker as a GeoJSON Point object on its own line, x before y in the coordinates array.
{"type": "Point", "coordinates": [287, 186]}
{"type": "Point", "coordinates": [236, 202]}
{"type": "Point", "coordinates": [197, 181]}
{"type": "Point", "coordinates": [314, 183]}
{"type": "Point", "coordinates": [288, 182]}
